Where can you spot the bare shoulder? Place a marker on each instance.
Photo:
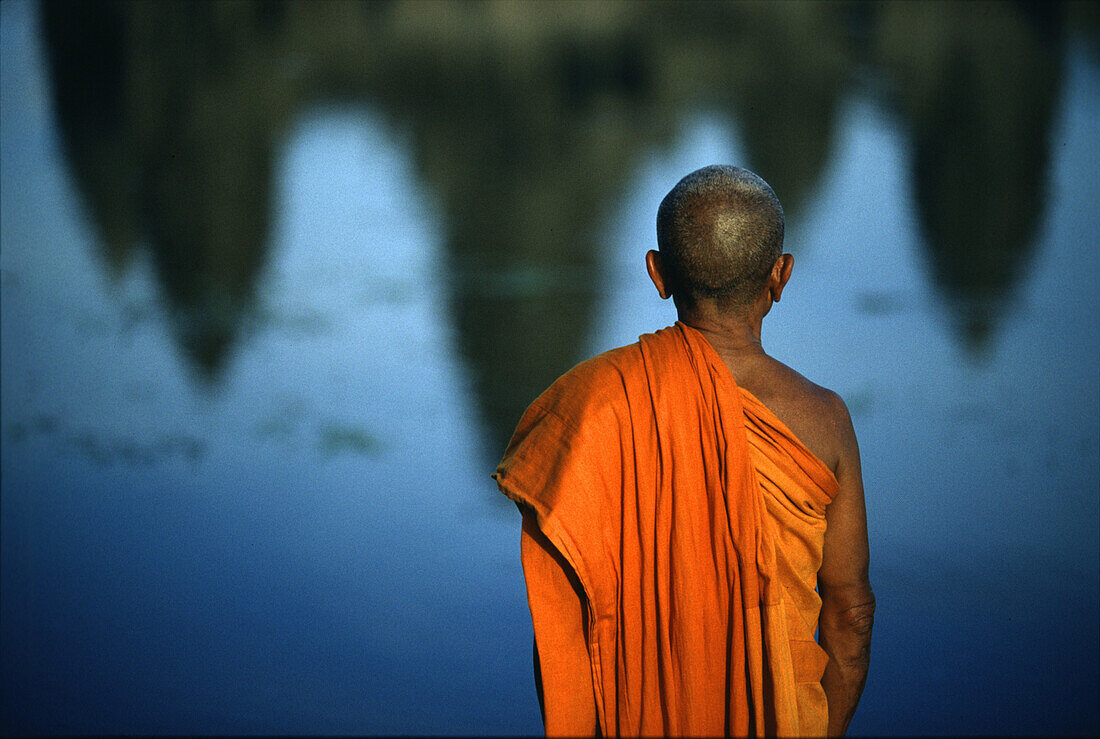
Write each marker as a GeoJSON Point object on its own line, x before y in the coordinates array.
{"type": "Point", "coordinates": [825, 402]}
{"type": "Point", "coordinates": [816, 414]}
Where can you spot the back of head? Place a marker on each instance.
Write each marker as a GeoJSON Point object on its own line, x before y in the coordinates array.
{"type": "Point", "coordinates": [719, 232]}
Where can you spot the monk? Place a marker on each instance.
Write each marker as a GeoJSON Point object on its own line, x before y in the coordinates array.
{"type": "Point", "coordinates": [693, 509]}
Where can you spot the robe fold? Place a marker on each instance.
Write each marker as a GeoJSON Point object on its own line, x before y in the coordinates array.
{"type": "Point", "coordinates": [694, 521]}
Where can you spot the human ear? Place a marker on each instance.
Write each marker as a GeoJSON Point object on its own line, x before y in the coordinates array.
{"type": "Point", "coordinates": [781, 273]}
{"type": "Point", "coordinates": [656, 268]}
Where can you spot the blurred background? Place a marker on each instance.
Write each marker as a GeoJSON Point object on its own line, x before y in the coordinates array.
{"type": "Point", "coordinates": [278, 280]}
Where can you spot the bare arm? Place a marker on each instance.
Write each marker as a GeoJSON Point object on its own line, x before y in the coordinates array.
{"type": "Point", "coordinates": [847, 601]}
{"type": "Point", "coordinates": [563, 672]}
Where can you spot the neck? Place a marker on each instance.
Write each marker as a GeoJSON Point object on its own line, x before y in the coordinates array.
{"type": "Point", "coordinates": [730, 335]}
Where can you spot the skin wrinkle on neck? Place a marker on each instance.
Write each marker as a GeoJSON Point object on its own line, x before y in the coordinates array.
{"type": "Point", "coordinates": [729, 337]}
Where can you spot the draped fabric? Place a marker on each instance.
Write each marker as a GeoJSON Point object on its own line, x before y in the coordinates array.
{"type": "Point", "coordinates": [694, 521]}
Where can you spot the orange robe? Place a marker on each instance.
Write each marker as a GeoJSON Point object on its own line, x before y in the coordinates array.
{"type": "Point", "coordinates": [693, 521]}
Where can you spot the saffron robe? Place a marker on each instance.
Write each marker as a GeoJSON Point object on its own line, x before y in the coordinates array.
{"type": "Point", "coordinates": [694, 522]}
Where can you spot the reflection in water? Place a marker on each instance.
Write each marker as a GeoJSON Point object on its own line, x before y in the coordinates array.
{"type": "Point", "coordinates": [978, 85]}
{"type": "Point", "coordinates": [313, 547]}
{"type": "Point", "coordinates": [526, 121]}
{"type": "Point", "coordinates": [779, 72]}
{"type": "Point", "coordinates": [169, 128]}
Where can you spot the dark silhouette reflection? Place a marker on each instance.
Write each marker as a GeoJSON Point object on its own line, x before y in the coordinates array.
{"type": "Point", "coordinates": [526, 148]}
{"type": "Point", "coordinates": [169, 126]}
{"type": "Point", "coordinates": [527, 121]}
{"type": "Point", "coordinates": [778, 71]}
{"type": "Point", "coordinates": [980, 88]}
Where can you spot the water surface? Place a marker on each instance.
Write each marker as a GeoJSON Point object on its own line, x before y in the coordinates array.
{"type": "Point", "coordinates": [253, 495]}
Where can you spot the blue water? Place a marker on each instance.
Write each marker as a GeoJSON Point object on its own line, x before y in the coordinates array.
{"type": "Point", "coordinates": [313, 545]}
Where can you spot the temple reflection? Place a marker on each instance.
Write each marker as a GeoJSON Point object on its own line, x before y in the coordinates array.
{"type": "Point", "coordinates": [977, 85]}
{"type": "Point", "coordinates": [170, 132]}
{"type": "Point", "coordinates": [526, 121]}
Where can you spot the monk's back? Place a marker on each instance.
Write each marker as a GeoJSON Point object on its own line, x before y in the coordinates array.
{"type": "Point", "coordinates": [649, 475]}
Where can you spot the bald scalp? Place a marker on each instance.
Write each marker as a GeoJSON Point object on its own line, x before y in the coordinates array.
{"type": "Point", "coordinates": [719, 232]}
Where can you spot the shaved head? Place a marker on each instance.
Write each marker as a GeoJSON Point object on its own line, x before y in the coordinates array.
{"type": "Point", "coordinates": [719, 232]}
